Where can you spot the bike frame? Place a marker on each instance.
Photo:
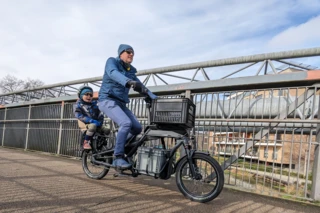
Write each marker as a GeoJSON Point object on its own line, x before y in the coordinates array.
{"type": "Point", "coordinates": [154, 132]}
{"type": "Point", "coordinates": [186, 168]}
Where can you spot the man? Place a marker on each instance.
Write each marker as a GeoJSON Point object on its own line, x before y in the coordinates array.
{"type": "Point", "coordinates": [88, 114]}
{"type": "Point", "coordinates": [118, 78]}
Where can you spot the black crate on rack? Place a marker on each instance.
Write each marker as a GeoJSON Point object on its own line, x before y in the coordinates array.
{"type": "Point", "coordinates": [174, 111]}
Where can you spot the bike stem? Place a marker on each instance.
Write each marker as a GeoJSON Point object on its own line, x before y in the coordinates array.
{"type": "Point", "coordinates": [190, 154]}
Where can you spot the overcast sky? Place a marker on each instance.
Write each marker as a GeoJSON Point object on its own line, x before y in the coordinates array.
{"type": "Point", "coordinates": [57, 41]}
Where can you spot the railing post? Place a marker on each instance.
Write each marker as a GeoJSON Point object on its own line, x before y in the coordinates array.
{"type": "Point", "coordinates": [60, 128]}
{"type": "Point", "coordinates": [28, 127]}
{"type": "Point", "coordinates": [4, 126]}
{"type": "Point", "coordinates": [315, 189]}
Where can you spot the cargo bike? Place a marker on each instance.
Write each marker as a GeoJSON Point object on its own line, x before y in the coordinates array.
{"type": "Point", "coordinates": [199, 176]}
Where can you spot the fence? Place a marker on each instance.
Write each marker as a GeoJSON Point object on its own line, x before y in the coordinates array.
{"type": "Point", "coordinates": [263, 129]}
{"type": "Point", "coordinates": [266, 139]}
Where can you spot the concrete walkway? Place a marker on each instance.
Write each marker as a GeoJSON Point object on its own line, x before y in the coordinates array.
{"type": "Point", "coordinates": [34, 182]}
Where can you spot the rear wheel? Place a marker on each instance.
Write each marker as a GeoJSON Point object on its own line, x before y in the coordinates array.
{"type": "Point", "coordinates": [208, 181]}
{"type": "Point", "coordinates": [91, 169]}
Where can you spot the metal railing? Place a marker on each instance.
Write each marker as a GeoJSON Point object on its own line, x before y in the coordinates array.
{"type": "Point", "coordinates": [264, 130]}
{"type": "Point", "coordinates": [280, 161]}
{"type": "Point", "coordinates": [201, 72]}
{"type": "Point", "coordinates": [266, 143]}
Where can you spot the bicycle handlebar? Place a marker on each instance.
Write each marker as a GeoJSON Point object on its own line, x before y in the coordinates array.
{"type": "Point", "coordinates": [148, 101]}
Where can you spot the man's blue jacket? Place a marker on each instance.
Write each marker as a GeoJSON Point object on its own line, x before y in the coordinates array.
{"type": "Point", "coordinates": [115, 78]}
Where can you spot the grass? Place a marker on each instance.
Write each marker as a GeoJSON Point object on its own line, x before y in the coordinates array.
{"type": "Point", "coordinates": [271, 186]}
{"type": "Point", "coordinates": [262, 167]}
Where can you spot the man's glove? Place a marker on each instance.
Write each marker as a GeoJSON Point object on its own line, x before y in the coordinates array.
{"type": "Point", "coordinates": [137, 86]}
{"type": "Point", "coordinates": [97, 123]}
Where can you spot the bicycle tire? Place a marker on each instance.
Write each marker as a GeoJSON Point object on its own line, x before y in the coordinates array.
{"type": "Point", "coordinates": [219, 178]}
{"type": "Point", "coordinates": [85, 162]}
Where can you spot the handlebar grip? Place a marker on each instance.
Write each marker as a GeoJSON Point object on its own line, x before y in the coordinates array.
{"type": "Point", "coordinates": [147, 99]}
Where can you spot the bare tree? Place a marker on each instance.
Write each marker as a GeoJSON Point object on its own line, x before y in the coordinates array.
{"type": "Point", "coordinates": [32, 83]}
{"type": "Point", "coordinates": [11, 83]}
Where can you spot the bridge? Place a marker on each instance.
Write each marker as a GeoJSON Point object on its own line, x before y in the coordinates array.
{"type": "Point", "coordinates": [257, 115]}
{"type": "Point", "coordinates": [33, 182]}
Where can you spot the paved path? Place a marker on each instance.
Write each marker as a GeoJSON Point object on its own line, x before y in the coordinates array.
{"type": "Point", "coordinates": [33, 182]}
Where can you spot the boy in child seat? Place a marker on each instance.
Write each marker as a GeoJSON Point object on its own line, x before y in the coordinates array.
{"type": "Point", "coordinates": [89, 116]}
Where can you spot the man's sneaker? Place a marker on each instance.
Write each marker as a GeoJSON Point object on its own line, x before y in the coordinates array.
{"type": "Point", "coordinates": [86, 145]}
{"type": "Point", "coordinates": [120, 163]}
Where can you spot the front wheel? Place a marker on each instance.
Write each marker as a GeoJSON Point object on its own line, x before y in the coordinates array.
{"type": "Point", "coordinates": [207, 182]}
{"type": "Point", "coordinates": [91, 169]}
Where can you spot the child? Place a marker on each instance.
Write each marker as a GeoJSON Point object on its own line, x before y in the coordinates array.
{"type": "Point", "coordinates": [89, 116]}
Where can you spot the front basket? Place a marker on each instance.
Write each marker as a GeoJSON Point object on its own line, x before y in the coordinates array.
{"type": "Point", "coordinates": [177, 111]}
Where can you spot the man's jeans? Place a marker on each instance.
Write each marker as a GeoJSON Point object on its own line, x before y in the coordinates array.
{"type": "Point", "coordinates": [121, 115]}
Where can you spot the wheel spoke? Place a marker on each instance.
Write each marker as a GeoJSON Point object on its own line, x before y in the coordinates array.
{"type": "Point", "coordinates": [92, 170]}
{"type": "Point", "coordinates": [198, 187]}
{"type": "Point", "coordinates": [194, 188]}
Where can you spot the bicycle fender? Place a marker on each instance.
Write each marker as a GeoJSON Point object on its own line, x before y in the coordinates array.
{"type": "Point", "coordinates": [199, 152]}
{"type": "Point", "coordinates": [82, 153]}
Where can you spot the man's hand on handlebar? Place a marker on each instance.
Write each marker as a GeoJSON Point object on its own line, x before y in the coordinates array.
{"type": "Point", "coordinates": [140, 88]}
{"type": "Point", "coordinates": [148, 100]}
{"type": "Point", "coordinates": [137, 86]}
{"type": "Point", "coordinates": [149, 97]}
